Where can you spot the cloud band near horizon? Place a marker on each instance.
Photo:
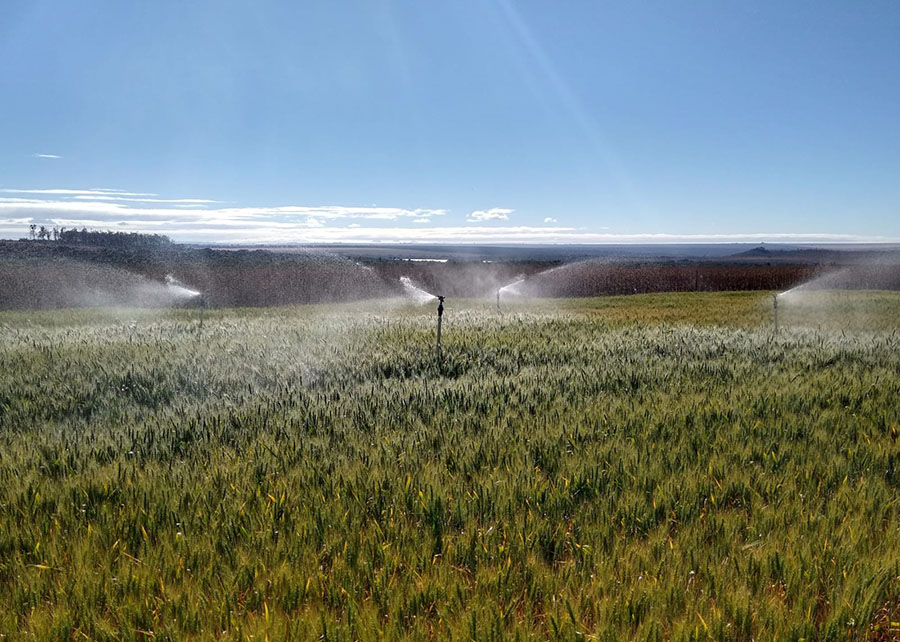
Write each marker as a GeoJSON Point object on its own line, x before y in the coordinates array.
{"type": "Point", "coordinates": [194, 220]}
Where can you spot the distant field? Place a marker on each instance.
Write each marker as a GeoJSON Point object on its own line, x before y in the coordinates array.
{"type": "Point", "coordinates": [649, 467]}
{"type": "Point", "coordinates": [51, 275]}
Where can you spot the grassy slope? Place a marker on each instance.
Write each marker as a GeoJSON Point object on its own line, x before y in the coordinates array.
{"type": "Point", "coordinates": [648, 467]}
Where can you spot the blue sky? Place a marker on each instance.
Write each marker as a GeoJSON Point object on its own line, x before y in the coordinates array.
{"type": "Point", "coordinates": [464, 121]}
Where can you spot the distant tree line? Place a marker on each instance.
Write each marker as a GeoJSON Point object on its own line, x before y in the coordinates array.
{"type": "Point", "coordinates": [84, 236]}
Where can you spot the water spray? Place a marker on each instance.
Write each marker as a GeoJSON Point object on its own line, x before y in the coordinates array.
{"type": "Point", "coordinates": [178, 291]}
{"type": "Point", "coordinates": [510, 288]}
{"type": "Point", "coordinates": [440, 311]}
{"type": "Point", "coordinates": [415, 293]}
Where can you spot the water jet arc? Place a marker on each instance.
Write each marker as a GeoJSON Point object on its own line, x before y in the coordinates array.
{"type": "Point", "coordinates": [417, 294]}
{"type": "Point", "coordinates": [510, 288]}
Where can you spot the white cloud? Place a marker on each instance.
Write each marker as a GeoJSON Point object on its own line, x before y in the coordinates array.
{"type": "Point", "coordinates": [550, 219]}
{"type": "Point", "coordinates": [13, 199]}
{"type": "Point", "coordinates": [45, 156]}
{"type": "Point", "coordinates": [188, 219]}
{"type": "Point", "coordinates": [75, 192]}
{"type": "Point", "coordinates": [126, 199]}
{"type": "Point", "coordinates": [493, 214]}
{"type": "Point", "coordinates": [103, 210]}
{"type": "Point", "coordinates": [197, 220]}
{"type": "Point", "coordinates": [504, 234]}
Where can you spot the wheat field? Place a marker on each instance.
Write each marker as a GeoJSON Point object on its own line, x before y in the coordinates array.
{"type": "Point", "coordinates": [653, 467]}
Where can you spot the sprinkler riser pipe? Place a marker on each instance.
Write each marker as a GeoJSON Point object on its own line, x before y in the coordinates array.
{"type": "Point", "coordinates": [201, 303]}
{"type": "Point", "coordinates": [440, 319]}
{"type": "Point", "coordinates": [775, 311]}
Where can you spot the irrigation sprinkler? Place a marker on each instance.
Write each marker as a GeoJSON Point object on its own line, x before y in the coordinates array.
{"type": "Point", "coordinates": [775, 310]}
{"type": "Point", "coordinates": [511, 288]}
{"type": "Point", "coordinates": [201, 303]}
{"type": "Point", "coordinates": [440, 311]}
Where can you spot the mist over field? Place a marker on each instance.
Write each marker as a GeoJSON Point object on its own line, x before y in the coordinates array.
{"type": "Point", "coordinates": [52, 274]}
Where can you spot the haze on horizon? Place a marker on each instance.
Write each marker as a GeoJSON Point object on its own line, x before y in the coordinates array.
{"type": "Point", "coordinates": [480, 121]}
